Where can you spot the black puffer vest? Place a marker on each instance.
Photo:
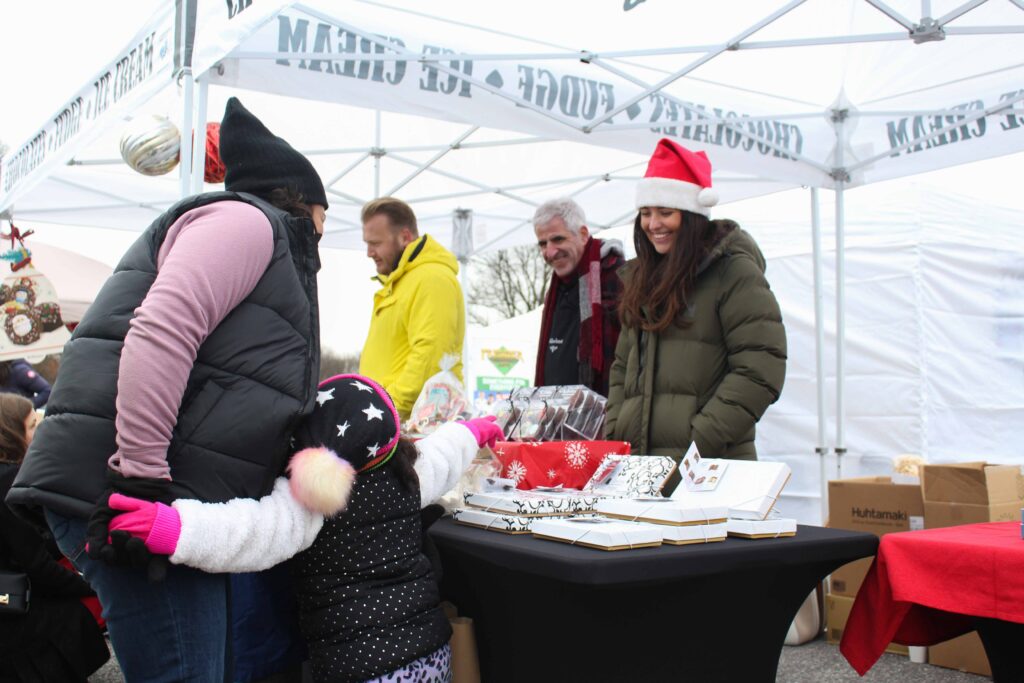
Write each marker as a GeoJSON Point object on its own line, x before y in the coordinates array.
{"type": "Point", "coordinates": [367, 595]}
{"type": "Point", "coordinates": [253, 380]}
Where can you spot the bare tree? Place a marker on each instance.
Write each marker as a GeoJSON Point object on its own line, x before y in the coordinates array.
{"type": "Point", "coordinates": [507, 282]}
{"type": "Point", "coordinates": [332, 363]}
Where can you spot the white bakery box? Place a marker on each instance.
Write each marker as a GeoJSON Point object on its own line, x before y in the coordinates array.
{"type": "Point", "coordinates": [532, 503]}
{"type": "Point", "coordinates": [504, 522]}
{"type": "Point", "coordinates": [748, 488]}
{"type": "Point", "coordinates": [598, 532]}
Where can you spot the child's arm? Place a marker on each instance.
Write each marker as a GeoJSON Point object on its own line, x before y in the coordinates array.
{"type": "Point", "coordinates": [244, 535]}
{"type": "Point", "coordinates": [443, 457]}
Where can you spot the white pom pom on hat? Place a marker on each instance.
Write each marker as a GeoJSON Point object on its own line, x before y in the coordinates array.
{"type": "Point", "coordinates": [677, 178]}
{"type": "Point", "coordinates": [320, 480]}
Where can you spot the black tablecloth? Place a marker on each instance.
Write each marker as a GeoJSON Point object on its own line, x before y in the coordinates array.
{"type": "Point", "coordinates": [548, 611]}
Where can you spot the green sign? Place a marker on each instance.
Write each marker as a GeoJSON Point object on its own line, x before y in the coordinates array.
{"type": "Point", "coordinates": [500, 384]}
{"type": "Point", "coordinates": [503, 359]}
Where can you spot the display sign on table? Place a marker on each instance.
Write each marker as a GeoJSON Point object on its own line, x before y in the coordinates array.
{"type": "Point", "coordinates": [749, 488]}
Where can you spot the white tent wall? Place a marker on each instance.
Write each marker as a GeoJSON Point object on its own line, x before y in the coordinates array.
{"type": "Point", "coordinates": [935, 338]}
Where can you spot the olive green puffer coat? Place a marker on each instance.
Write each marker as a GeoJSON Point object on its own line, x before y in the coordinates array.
{"type": "Point", "coordinates": [712, 381]}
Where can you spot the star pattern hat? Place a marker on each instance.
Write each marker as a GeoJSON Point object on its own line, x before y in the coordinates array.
{"type": "Point", "coordinates": [677, 178]}
{"type": "Point", "coordinates": [355, 418]}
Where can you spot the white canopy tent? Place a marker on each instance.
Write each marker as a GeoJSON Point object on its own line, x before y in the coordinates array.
{"type": "Point", "coordinates": [466, 107]}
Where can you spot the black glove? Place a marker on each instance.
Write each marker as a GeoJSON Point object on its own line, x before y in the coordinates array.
{"type": "Point", "coordinates": [121, 548]}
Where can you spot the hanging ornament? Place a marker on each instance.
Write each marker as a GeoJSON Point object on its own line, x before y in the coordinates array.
{"type": "Point", "coordinates": [151, 145]}
{"type": "Point", "coordinates": [19, 255]}
{"type": "Point", "coordinates": [214, 171]}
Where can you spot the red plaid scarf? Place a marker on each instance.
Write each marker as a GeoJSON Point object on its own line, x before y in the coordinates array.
{"type": "Point", "coordinates": [594, 347]}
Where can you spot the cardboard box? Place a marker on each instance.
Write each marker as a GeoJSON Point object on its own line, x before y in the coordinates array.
{"type": "Point", "coordinates": [837, 611]}
{"type": "Point", "coordinates": [965, 653]}
{"type": "Point", "coordinates": [847, 579]}
{"type": "Point", "coordinates": [938, 515]}
{"type": "Point", "coordinates": [875, 505]}
{"type": "Point", "coordinates": [971, 483]}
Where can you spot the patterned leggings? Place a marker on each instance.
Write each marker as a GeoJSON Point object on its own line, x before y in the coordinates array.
{"type": "Point", "coordinates": [433, 668]}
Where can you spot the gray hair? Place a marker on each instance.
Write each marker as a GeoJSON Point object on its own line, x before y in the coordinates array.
{"type": "Point", "coordinates": [564, 208]}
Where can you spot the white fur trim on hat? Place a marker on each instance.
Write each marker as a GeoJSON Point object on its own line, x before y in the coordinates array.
{"type": "Point", "coordinates": [675, 194]}
{"type": "Point", "coordinates": [321, 480]}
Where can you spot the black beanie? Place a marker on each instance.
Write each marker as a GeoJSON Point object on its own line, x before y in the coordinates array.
{"type": "Point", "coordinates": [257, 161]}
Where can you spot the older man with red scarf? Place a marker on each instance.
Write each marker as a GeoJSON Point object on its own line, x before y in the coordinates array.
{"type": "Point", "coordinates": [580, 325]}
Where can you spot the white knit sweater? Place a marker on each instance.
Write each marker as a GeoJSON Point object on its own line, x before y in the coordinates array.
{"type": "Point", "coordinates": [244, 534]}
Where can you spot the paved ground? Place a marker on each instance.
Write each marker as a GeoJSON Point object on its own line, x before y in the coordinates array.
{"type": "Point", "coordinates": [816, 662]}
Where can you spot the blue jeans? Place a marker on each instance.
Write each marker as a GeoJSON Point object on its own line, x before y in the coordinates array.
{"type": "Point", "coordinates": [173, 630]}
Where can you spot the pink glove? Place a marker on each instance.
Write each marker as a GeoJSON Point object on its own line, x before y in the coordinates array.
{"type": "Point", "coordinates": [158, 525]}
{"type": "Point", "coordinates": [484, 430]}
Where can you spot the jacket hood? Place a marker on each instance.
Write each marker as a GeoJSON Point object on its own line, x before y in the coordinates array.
{"type": "Point", "coordinates": [419, 252]}
{"type": "Point", "coordinates": [736, 241]}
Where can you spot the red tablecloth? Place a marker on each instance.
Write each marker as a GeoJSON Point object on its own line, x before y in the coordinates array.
{"type": "Point", "coordinates": [925, 587]}
{"type": "Point", "coordinates": [550, 463]}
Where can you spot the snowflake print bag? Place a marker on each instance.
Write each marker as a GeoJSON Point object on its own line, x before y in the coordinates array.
{"type": "Point", "coordinates": [568, 464]}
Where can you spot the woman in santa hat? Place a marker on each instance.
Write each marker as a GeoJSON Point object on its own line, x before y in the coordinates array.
{"type": "Point", "coordinates": [702, 352]}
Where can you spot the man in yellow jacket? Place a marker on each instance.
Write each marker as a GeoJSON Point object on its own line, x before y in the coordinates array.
{"type": "Point", "coordinates": [418, 313]}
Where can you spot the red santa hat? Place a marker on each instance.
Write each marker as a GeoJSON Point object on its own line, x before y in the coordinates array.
{"type": "Point", "coordinates": [677, 178]}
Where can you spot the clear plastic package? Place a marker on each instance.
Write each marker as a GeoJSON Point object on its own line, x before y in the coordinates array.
{"type": "Point", "coordinates": [442, 399]}
{"type": "Point", "coordinates": [553, 413]}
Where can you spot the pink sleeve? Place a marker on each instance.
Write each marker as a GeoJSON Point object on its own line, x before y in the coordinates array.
{"type": "Point", "coordinates": [209, 262]}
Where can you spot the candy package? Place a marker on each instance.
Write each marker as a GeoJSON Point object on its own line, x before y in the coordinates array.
{"type": "Point", "coordinates": [441, 400]}
{"type": "Point", "coordinates": [553, 413]}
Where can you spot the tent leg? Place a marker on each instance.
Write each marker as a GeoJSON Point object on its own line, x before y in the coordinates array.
{"type": "Point", "coordinates": [819, 350]}
{"type": "Point", "coordinates": [468, 380]}
{"type": "Point", "coordinates": [199, 139]}
{"type": "Point", "coordinates": [376, 157]}
{"type": "Point", "coordinates": [185, 172]}
{"type": "Point", "coordinates": [840, 448]}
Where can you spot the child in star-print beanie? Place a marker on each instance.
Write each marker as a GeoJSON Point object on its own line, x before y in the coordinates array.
{"type": "Point", "coordinates": [350, 508]}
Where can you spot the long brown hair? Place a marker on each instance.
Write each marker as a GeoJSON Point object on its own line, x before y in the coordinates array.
{"type": "Point", "coordinates": [402, 462]}
{"type": "Point", "coordinates": [659, 288]}
{"type": "Point", "coordinates": [14, 410]}
{"type": "Point", "coordinates": [290, 200]}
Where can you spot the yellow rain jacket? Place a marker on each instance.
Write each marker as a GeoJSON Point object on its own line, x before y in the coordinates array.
{"type": "Point", "coordinates": [418, 316]}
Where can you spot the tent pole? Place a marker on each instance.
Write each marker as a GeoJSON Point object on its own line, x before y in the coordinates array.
{"type": "Point", "coordinates": [819, 349]}
{"type": "Point", "coordinates": [376, 156]}
{"type": "Point", "coordinates": [840, 447]}
{"type": "Point", "coordinates": [840, 175]}
{"type": "Point", "coordinates": [199, 139]}
{"type": "Point", "coordinates": [185, 173]}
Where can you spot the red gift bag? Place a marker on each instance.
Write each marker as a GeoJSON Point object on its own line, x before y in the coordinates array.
{"type": "Point", "coordinates": [550, 463]}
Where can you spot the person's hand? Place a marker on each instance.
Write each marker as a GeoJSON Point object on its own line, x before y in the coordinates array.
{"type": "Point", "coordinates": [484, 430]}
{"type": "Point", "coordinates": [120, 547]}
{"type": "Point", "coordinates": [157, 525]}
